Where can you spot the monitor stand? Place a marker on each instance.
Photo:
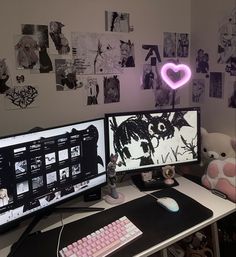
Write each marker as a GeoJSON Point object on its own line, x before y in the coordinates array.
{"type": "Point", "coordinates": [148, 181]}
{"type": "Point", "coordinates": [37, 218]}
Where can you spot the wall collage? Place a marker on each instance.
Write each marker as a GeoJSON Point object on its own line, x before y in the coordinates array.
{"type": "Point", "coordinates": [93, 62]}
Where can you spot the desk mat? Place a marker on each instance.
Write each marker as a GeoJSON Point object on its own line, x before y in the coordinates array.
{"type": "Point", "coordinates": [156, 223]}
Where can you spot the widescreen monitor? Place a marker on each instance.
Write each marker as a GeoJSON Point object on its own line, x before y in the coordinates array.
{"type": "Point", "coordinates": [147, 140]}
{"type": "Point", "coordinates": [39, 170]}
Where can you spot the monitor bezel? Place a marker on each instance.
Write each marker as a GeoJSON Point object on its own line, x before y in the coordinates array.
{"type": "Point", "coordinates": [156, 167]}
{"type": "Point", "coordinates": [47, 210]}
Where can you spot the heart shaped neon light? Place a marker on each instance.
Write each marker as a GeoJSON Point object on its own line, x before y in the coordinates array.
{"type": "Point", "coordinates": [184, 69]}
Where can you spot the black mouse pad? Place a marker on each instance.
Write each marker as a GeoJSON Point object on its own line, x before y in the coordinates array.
{"type": "Point", "coordinates": [156, 223]}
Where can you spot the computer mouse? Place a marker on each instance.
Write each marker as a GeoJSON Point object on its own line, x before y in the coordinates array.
{"type": "Point", "coordinates": [168, 203]}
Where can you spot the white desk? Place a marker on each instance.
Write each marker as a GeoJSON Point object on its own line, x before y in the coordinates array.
{"type": "Point", "coordinates": [220, 208]}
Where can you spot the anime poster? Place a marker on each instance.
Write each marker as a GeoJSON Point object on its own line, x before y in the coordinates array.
{"type": "Point", "coordinates": [227, 43]}
{"type": "Point", "coordinates": [202, 62]}
{"type": "Point", "coordinates": [27, 52]}
{"type": "Point", "coordinates": [93, 94]}
{"type": "Point", "coordinates": [232, 96]}
{"type": "Point", "coordinates": [22, 97]}
{"type": "Point", "coordinates": [41, 33]}
{"type": "Point", "coordinates": [216, 84]}
{"type": "Point", "coordinates": [198, 90]}
{"type": "Point", "coordinates": [182, 40]}
{"type": "Point", "coordinates": [5, 79]}
{"type": "Point", "coordinates": [58, 41]}
{"type": "Point", "coordinates": [111, 86]}
{"type": "Point", "coordinates": [117, 21]}
{"type": "Point", "coordinates": [96, 53]}
{"type": "Point", "coordinates": [127, 54]}
{"type": "Point", "coordinates": [169, 46]}
{"type": "Point", "coordinates": [66, 77]}
{"type": "Point", "coordinates": [151, 59]}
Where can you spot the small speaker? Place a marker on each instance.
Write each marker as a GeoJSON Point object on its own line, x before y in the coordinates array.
{"type": "Point", "coordinates": [92, 195]}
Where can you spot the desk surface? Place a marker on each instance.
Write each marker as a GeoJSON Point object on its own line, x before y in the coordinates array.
{"type": "Point", "coordinates": [220, 208]}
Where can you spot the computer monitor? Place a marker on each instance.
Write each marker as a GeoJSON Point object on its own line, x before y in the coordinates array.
{"type": "Point", "coordinates": [41, 169]}
{"type": "Point", "coordinates": [147, 140]}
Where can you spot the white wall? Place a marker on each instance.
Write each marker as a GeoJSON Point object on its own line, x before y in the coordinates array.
{"type": "Point", "coordinates": [150, 19]}
{"type": "Point", "coordinates": [206, 16]}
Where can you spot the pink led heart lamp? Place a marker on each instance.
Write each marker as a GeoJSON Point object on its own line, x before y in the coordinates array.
{"type": "Point", "coordinates": [169, 69]}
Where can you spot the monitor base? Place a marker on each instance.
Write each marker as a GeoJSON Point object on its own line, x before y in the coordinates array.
{"type": "Point", "coordinates": [154, 184]}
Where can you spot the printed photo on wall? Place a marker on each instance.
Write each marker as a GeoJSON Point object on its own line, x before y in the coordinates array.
{"type": "Point", "coordinates": [202, 59]}
{"type": "Point", "coordinates": [182, 44]}
{"type": "Point", "coordinates": [5, 78]}
{"type": "Point", "coordinates": [66, 78]}
{"type": "Point", "coordinates": [216, 84]}
{"type": "Point", "coordinates": [22, 97]}
{"type": "Point", "coordinates": [169, 45]}
{"type": "Point", "coordinates": [232, 96]}
{"type": "Point", "coordinates": [93, 91]}
{"type": "Point", "coordinates": [96, 53]}
{"type": "Point", "coordinates": [59, 42]}
{"type": "Point", "coordinates": [26, 52]}
{"type": "Point", "coordinates": [127, 54]}
{"type": "Point", "coordinates": [41, 33]}
{"type": "Point", "coordinates": [198, 90]}
{"type": "Point", "coordinates": [117, 21]}
{"type": "Point", "coordinates": [227, 41]}
{"type": "Point", "coordinates": [111, 86]}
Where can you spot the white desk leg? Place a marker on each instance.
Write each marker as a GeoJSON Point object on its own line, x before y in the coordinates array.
{"type": "Point", "coordinates": [215, 239]}
{"type": "Point", "coordinates": [164, 253]}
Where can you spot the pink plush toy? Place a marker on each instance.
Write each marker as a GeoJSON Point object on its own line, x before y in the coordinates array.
{"type": "Point", "coordinates": [219, 151]}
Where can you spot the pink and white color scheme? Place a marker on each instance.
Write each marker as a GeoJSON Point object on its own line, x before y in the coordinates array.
{"type": "Point", "coordinates": [182, 68]}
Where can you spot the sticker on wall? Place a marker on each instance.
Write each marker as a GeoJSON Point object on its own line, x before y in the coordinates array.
{"type": "Point", "coordinates": [5, 79]}
{"type": "Point", "coordinates": [232, 96]}
{"type": "Point", "coordinates": [117, 22]}
{"type": "Point", "coordinates": [198, 90]}
{"type": "Point", "coordinates": [96, 53]}
{"type": "Point", "coordinates": [182, 44]}
{"type": "Point", "coordinates": [26, 52]}
{"type": "Point", "coordinates": [22, 97]}
{"type": "Point", "coordinates": [66, 78]}
{"type": "Point", "coordinates": [58, 41]}
{"type": "Point", "coordinates": [92, 91]}
{"type": "Point", "coordinates": [202, 59]}
{"type": "Point", "coordinates": [216, 84]}
{"type": "Point", "coordinates": [111, 86]}
{"type": "Point", "coordinates": [227, 42]}
{"type": "Point", "coordinates": [127, 54]}
{"type": "Point", "coordinates": [169, 45]}
{"type": "Point", "coordinates": [41, 33]}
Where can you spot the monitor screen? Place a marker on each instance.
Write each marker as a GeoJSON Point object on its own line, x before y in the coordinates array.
{"type": "Point", "coordinates": [145, 140]}
{"type": "Point", "coordinates": [41, 169]}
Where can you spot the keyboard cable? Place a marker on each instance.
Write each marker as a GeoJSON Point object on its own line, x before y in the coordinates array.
{"type": "Point", "coordinates": [59, 235]}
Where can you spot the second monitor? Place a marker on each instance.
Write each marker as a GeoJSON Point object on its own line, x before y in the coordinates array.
{"type": "Point", "coordinates": [148, 140]}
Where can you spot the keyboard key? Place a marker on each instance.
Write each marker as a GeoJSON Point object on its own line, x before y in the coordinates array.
{"type": "Point", "coordinates": [104, 241]}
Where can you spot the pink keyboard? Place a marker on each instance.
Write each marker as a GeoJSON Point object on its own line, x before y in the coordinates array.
{"type": "Point", "coordinates": [104, 241]}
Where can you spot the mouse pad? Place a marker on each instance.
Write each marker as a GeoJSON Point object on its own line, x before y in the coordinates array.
{"type": "Point", "coordinates": [156, 223]}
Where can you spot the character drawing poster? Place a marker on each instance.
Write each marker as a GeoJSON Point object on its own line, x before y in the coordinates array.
{"type": "Point", "coordinates": [22, 97]}
{"type": "Point", "coordinates": [169, 47]}
{"type": "Point", "coordinates": [96, 53]}
{"type": "Point", "coordinates": [66, 78]}
{"type": "Point", "coordinates": [182, 40]}
{"type": "Point", "coordinates": [198, 90]}
{"type": "Point", "coordinates": [232, 96]}
{"type": "Point", "coordinates": [92, 87]}
{"type": "Point", "coordinates": [41, 33]}
{"type": "Point", "coordinates": [117, 21]}
{"type": "Point", "coordinates": [146, 140]}
{"type": "Point", "coordinates": [227, 42]}
{"type": "Point", "coordinates": [111, 86]}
